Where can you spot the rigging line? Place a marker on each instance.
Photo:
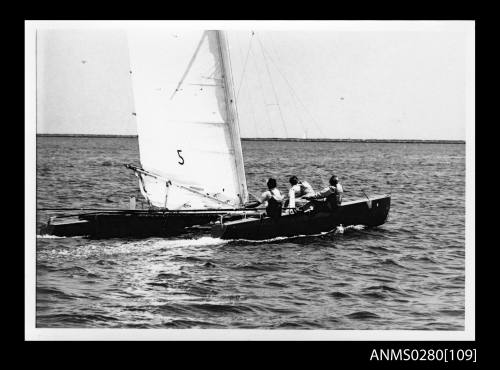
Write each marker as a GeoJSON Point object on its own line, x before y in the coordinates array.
{"type": "Point", "coordinates": [253, 114]}
{"type": "Point", "coordinates": [248, 90]}
{"type": "Point", "coordinates": [254, 121]}
{"type": "Point", "coordinates": [272, 84]}
{"type": "Point", "coordinates": [244, 66]}
{"type": "Point", "coordinates": [270, 125]}
{"type": "Point", "coordinates": [293, 101]}
{"type": "Point", "coordinates": [293, 90]}
{"type": "Point", "coordinates": [297, 96]}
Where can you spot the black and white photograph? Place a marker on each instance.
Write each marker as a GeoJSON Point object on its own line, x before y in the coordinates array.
{"type": "Point", "coordinates": [250, 180]}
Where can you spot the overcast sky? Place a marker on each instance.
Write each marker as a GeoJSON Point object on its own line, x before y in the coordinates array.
{"type": "Point", "coordinates": [360, 84]}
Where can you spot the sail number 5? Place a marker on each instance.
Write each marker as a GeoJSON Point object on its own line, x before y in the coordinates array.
{"type": "Point", "coordinates": [180, 156]}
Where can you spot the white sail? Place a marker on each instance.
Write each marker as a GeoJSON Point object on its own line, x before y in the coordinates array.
{"type": "Point", "coordinates": [187, 120]}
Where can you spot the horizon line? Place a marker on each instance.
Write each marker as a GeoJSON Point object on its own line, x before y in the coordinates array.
{"type": "Point", "coordinates": [416, 141]}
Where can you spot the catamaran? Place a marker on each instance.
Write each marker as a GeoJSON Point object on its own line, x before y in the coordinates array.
{"type": "Point", "coordinates": [192, 172]}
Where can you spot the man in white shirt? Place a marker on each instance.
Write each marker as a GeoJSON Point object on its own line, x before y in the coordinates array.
{"type": "Point", "coordinates": [298, 191]}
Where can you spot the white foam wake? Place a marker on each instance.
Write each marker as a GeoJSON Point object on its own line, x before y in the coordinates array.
{"type": "Point", "coordinates": [278, 238]}
{"type": "Point", "coordinates": [47, 236]}
{"type": "Point", "coordinates": [203, 241]}
{"type": "Point", "coordinates": [338, 230]}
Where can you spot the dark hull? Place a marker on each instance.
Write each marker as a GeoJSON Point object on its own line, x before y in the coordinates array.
{"type": "Point", "coordinates": [126, 224]}
{"type": "Point", "coordinates": [362, 212]}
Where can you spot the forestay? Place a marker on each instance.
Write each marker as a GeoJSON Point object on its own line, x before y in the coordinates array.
{"type": "Point", "coordinates": [187, 120]}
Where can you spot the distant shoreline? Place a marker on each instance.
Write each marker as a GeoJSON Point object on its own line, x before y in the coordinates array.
{"type": "Point", "coordinates": [409, 141]}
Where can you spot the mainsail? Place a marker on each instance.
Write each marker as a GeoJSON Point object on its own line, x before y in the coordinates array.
{"type": "Point", "coordinates": [189, 141]}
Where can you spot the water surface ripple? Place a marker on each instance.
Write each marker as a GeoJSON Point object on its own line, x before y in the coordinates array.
{"type": "Point", "coordinates": [407, 274]}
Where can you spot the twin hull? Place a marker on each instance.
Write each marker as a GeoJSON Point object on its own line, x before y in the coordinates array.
{"type": "Point", "coordinates": [371, 212]}
{"type": "Point", "coordinates": [122, 224]}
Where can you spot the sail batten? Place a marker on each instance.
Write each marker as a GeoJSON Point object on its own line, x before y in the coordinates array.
{"type": "Point", "coordinates": [186, 120]}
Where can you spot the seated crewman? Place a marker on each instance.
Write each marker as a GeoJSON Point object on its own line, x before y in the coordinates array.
{"type": "Point", "coordinates": [272, 198]}
{"type": "Point", "coordinates": [331, 195]}
{"type": "Point", "coordinates": [298, 191]}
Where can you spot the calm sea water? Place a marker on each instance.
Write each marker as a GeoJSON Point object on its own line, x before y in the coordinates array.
{"type": "Point", "coordinates": [407, 274]}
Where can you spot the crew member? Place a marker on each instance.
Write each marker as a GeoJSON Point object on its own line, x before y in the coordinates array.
{"type": "Point", "coordinates": [272, 198]}
{"type": "Point", "coordinates": [331, 195]}
{"type": "Point", "coordinates": [298, 191]}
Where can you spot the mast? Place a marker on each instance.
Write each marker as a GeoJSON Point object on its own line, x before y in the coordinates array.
{"type": "Point", "coordinates": [232, 113]}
